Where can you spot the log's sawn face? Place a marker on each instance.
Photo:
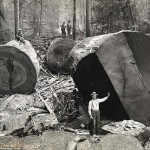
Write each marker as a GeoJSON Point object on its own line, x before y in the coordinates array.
{"type": "Point", "coordinates": [18, 72]}
{"type": "Point", "coordinates": [57, 55]}
{"type": "Point", "coordinates": [116, 68]}
{"type": "Point", "coordinates": [19, 68]}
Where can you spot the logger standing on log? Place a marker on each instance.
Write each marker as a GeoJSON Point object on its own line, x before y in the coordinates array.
{"type": "Point", "coordinates": [94, 111]}
{"type": "Point", "coordinates": [20, 36]}
{"type": "Point", "coordinates": [63, 30]}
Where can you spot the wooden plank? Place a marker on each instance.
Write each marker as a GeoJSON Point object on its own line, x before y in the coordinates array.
{"type": "Point", "coordinates": [46, 104]}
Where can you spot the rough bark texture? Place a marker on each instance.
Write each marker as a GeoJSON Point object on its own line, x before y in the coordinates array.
{"type": "Point", "coordinates": [58, 54]}
{"type": "Point", "coordinates": [119, 66]}
{"type": "Point", "coordinates": [19, 68]}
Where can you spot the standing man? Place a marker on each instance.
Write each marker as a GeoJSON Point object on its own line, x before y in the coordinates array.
{"type": "Point", "coordinates": [63, 30]}
{"type": "Point", "coordinates": [94, 111]}
{"type": "Point", "coordinates": [68, 28]}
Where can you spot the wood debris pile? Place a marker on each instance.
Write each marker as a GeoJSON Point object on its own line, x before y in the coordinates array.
{"type": "Point", "coordinates": [35, 112]}
{"type": "Point", "coordinates": [125, 127]}
{"type": "Point", "coordinates": [62, 84]}
{"type": "Point", "coordinates": [53, 90]}
{"type": "Point", "coordinates": [129, 127]}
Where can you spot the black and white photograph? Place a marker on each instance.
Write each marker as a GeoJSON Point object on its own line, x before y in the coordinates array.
{"type": "Point", "coordinates": [74, 74]}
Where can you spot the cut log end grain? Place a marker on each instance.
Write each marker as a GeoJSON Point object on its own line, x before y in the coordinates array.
{"type": "Point", "coordinates": [19, 68]}
{"type": "Point", "coordinates": [57, 55]}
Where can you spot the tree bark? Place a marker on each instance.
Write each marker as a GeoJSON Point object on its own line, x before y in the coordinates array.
{"type": "Point", "coordinates": [87, 20]}
{"type": "Point", "coordinates": [16, 14]}
{"type": "Point", "coordinates": [1, 17]}
{"type": "Point", "coordinates": [40, 31]}
{"type": "Point", "coordinates": [74, 20]}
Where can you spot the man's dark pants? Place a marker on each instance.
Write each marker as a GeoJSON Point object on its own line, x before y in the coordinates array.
{"type": "Point", "coordinates": [95, 121]}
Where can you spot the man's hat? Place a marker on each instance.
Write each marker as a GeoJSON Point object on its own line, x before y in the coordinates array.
{"type": "Point", "coordinates": [93, 93]}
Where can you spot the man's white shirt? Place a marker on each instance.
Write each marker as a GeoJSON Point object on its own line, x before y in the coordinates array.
{"type": "Point", "coordinates": [94, 104]}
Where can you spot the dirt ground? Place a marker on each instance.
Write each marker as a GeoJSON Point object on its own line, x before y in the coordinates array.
{"type": "Point", "coordinates": [49, 140]}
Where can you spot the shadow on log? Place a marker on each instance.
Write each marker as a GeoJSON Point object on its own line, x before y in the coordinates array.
{"type": "Point", "coordinates": [117, 63]}
{"type": "Point", "coordinates": [57, 55]}
{"type": "Point", "coordinates": [19, 68]}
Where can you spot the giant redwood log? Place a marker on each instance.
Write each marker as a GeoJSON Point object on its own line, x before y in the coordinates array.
{"type": "Point", "coordinates": [57, 55]}
{"type": "Point", "coordinates": [120, 66]}
{"type": "Point", "coordinates": [19, 68]}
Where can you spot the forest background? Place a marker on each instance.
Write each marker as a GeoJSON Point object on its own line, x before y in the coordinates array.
{"type": "Point", "coordinates": [43, 18]}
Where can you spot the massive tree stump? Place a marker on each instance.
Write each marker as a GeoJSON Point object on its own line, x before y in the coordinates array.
{"type": "Point", "coordinates": [19, 68]}
{"type": "Point", "coordinates": [119, 65]}
{"type": "Point", "coordinates": [57, 55]}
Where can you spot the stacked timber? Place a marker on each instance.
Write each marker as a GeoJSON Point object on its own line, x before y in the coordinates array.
{"type": "Point", "coordinates": [19, 68]}
{"type": "Point", "coordinates": [57, 55]}
{"type": "Point", "coordinates": [117, 63]}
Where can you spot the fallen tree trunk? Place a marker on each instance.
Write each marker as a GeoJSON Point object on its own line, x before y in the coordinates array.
{"type": "Point", "coordinates": [57, 55]}
{"type": "Point", "coordinates": [19, 68]}
{"type": "Point", "coordinates": [117, 63]}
